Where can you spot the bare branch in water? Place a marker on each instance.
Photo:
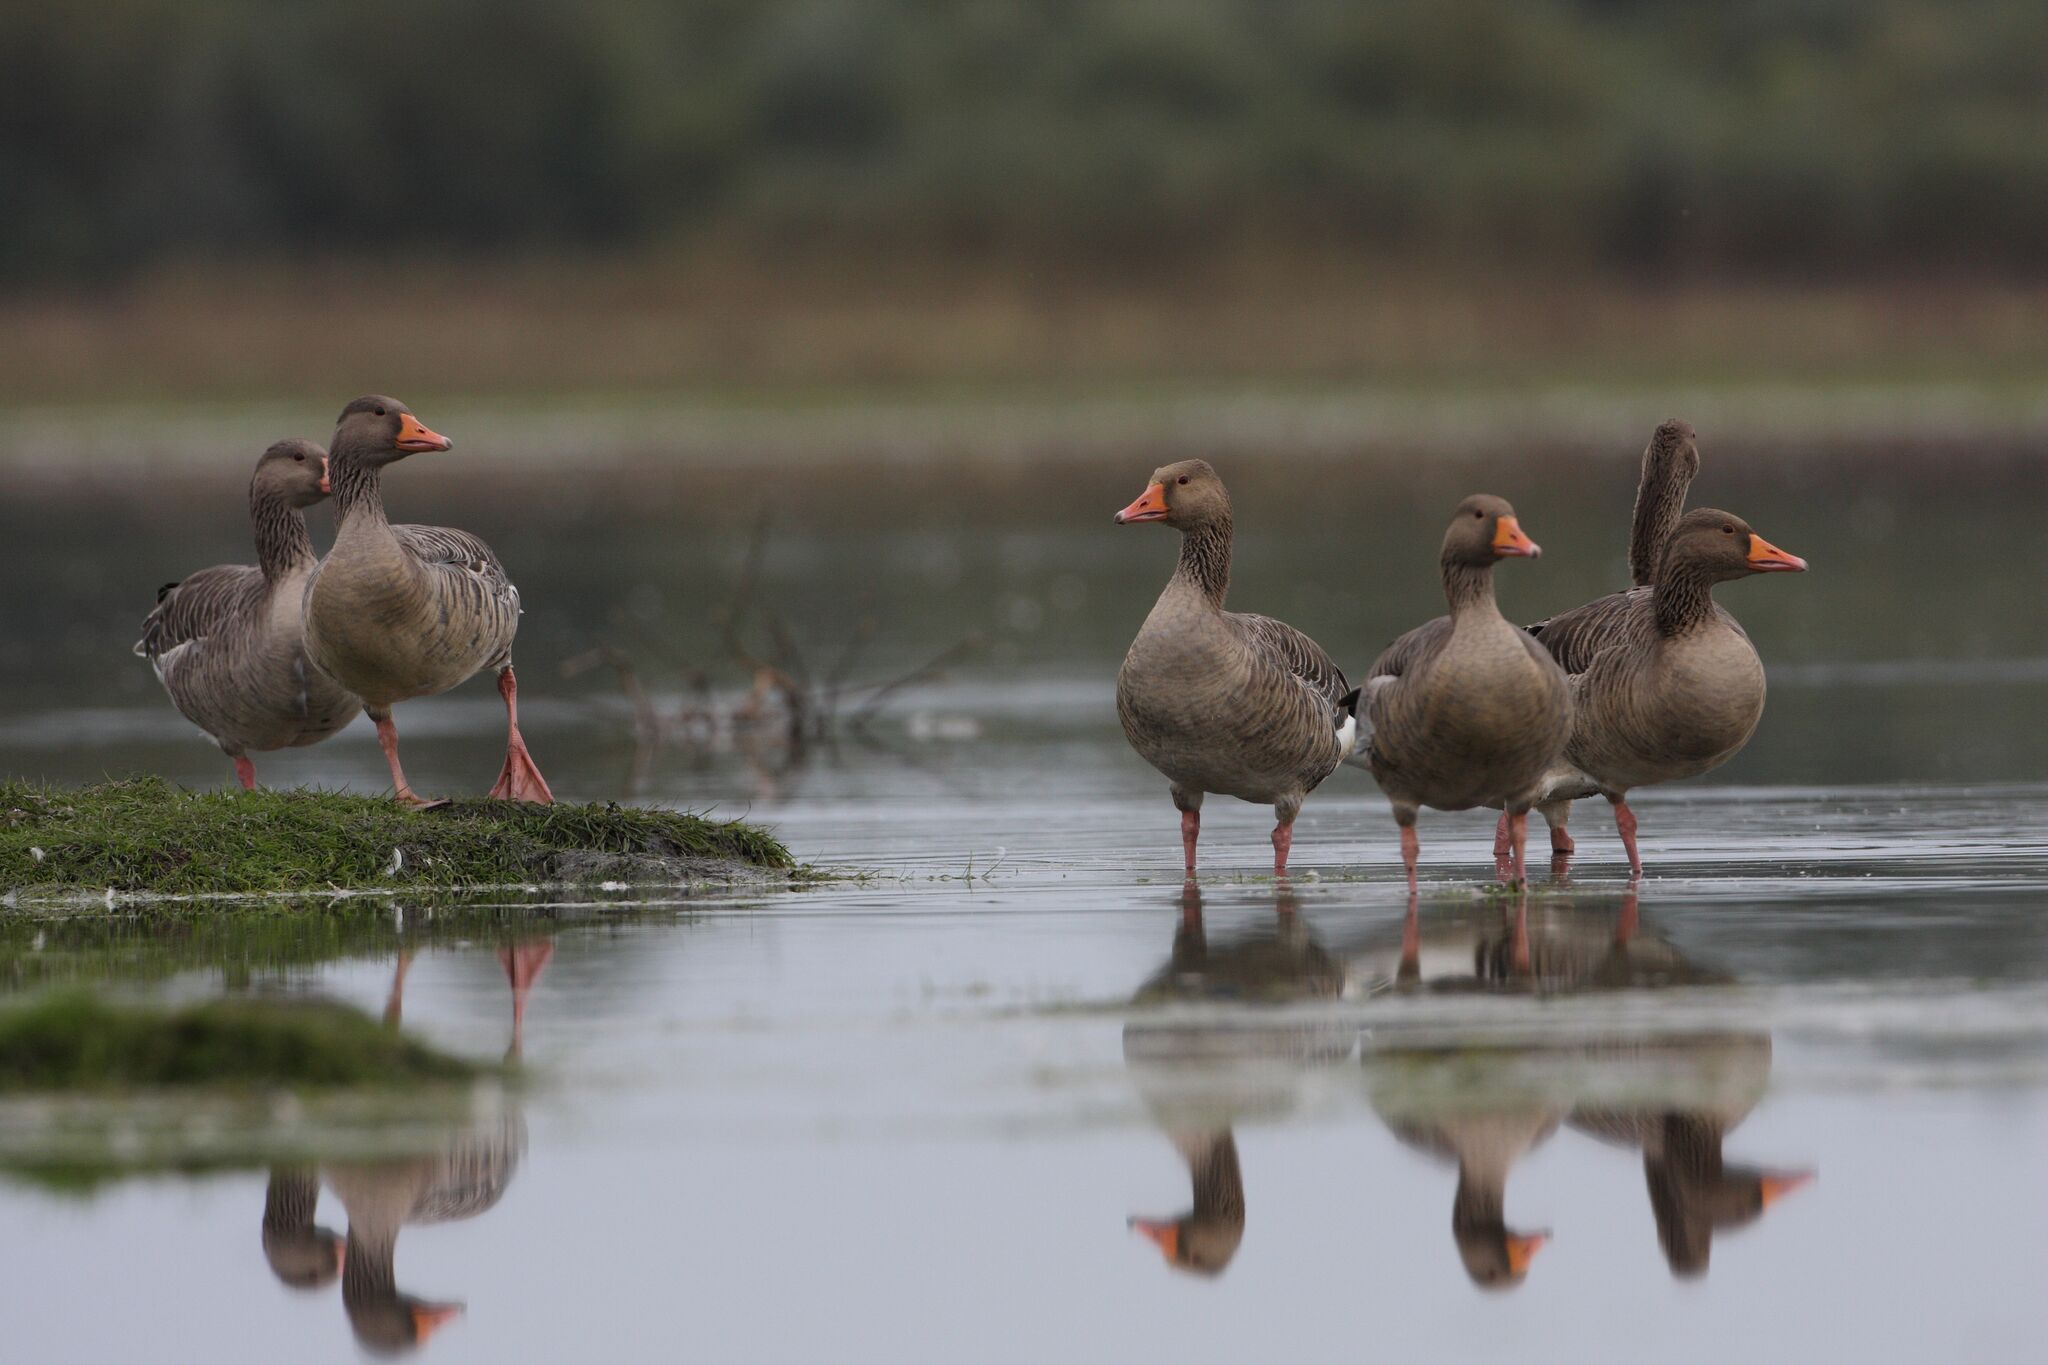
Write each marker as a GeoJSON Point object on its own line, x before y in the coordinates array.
{"type": "Point", "coordinates": [783, 699]}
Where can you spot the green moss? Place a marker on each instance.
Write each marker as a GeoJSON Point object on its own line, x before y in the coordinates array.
{"type": "Point", "coordinates": [145, 834]}
{"type": "Point", "coordinates": [79, 1043]}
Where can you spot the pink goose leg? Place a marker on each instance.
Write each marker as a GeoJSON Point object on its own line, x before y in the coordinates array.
{"type": "Point", "coordinates": [523, 963]}
{"type": "Point", "coordinates": [1518, 837]}
{"type": "Point", "coordinates": [1283, 843]}
{"type": "Point", "coordinates": [401, 790]}
{"type": "Point", "coordinates": [520, 779]}
{"type": "Point", "coordinates": [1625, 821]}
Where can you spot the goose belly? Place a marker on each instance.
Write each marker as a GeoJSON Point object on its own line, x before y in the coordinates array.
{"type": "Point", "coordinates": [261, 696]}
{"type": "Point", "coordinates": [387, 646]}
{"type": "Point", "coordinates": [1490, 737]}
{"type": "Point", "coordinates": [1687, 714]}
{"type": "Point", "coordinates": [1219, 737]}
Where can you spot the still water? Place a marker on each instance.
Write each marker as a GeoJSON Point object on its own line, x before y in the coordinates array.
{"type": "Point", "coordinates": [1784, 1102]}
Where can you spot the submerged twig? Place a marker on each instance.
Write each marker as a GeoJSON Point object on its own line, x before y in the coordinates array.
{"type": "Point", "coordinates": [781, 699]}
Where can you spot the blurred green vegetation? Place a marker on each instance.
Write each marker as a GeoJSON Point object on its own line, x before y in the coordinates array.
{"type": "Point", "coordinates": [1813, 136]}
{"type": "Point", "coordinates": [78, 1042]}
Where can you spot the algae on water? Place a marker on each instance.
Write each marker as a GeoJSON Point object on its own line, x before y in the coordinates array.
{"type": "Point", "coordinates": [148, 835]}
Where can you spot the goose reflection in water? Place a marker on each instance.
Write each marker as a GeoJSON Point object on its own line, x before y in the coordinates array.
{"type": "Point", "coordinates": [463, 1175]}
{"type": "Point", "coordinates": [1485, 1104]}
{"type": "Point", "coordinates": [1207, 1065]}
{"type": "Point", "coordinates": [302, 1254]}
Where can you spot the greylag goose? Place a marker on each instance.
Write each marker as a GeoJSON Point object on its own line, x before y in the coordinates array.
{"type": "Point", "coordinates": [227, 642]}
{"type": "Point", "coordinates": [1223, 701]}
{"type": "Point", "coordinates": [1467, 710]}
{"type": "Point", "coordinates": [1670, 462]}
{"type": "Point", "coordinates": [1665, 683]}
{"type": "Point", "coordinates": [1200, 1076]}
{"type": "Point", "coordinates": [397, 612]}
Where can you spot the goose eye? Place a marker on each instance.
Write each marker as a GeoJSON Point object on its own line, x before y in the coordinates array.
{"type": "Point", "coordinates": [1727, 530]}
{"type": "Point", "coordinates": [1479, 516]}
{"type": "Point", "coordinates": [380, 412]}
{"type": "Point", "coordinates": [300, 458]}
{"type": "Point", "coordinates": [1182, 479]}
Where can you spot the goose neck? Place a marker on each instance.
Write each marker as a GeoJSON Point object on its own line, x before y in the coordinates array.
{"type": "Point", "coordinates": [1469, 588]}
{"type": "Point", "coordinates": [1205, 559]}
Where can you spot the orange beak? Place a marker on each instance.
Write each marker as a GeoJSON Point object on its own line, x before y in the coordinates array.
{"type": "Point", "coordinates": [413, 436]}
{"type": "Point", "coordinates": [429, 1318]}
{"type": "Point", "coordinates": [1165, 1236]}
{"type": "Point", "coordinates": [1509, 540]}
{"type": "Point", "coordinates": [1776, 1187]}
{"type": "Point", "coordinates": [326, 484]}
{"type": "Point", "coordinates": [1150, 506]}
{"type": "Point", "coordinates": [1522, 1250]}
{"type": "Point", "coordinates": [1765, 557]}
{"type": "Point", "coordinates": [340, 1256]}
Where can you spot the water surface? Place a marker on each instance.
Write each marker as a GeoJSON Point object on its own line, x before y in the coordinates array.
{"type": "Point", "coordinates": [912, 1116]}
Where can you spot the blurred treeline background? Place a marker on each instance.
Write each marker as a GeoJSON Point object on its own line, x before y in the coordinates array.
{"type": "Point", "coordinates": [611, 194]}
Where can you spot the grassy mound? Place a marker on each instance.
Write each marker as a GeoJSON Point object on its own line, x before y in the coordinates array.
{"type": "Point", "coordinates": [78, 1043]}
{"type": "Point", "coordinates": [145, 834]}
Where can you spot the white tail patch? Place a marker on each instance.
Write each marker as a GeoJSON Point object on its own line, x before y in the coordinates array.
{"type": "Point", "coordinates": [1347, 734]}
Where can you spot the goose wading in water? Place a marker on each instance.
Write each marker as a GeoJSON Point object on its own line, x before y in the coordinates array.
{"type": "Point", "coordinates": [1670, 463]}
{"type": "Point", "coordinates": [396, 612]}
{"type": "Point", "coordinates": [1224, 701]}
{"type": "Point", "coordinates": [227, 643]}
{"type": "Point", "coordinates": [1467, 710]}
{"type": "Point", "coordinates": [1665, 683]}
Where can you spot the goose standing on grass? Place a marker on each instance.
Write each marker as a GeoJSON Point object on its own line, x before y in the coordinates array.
{"type": "Point", "coordinates": [1467, 710]}
{"type": "Point", "coordinates": [397, 612]}
{"type": "Point", "coordinates": [1223, 701]}
{"type": "Point", "coordinates": [1670, 462]}
{"type": "Point", "coordinates": [1665, 684]}
{"type": "Point", "coordinates": [227, 643]}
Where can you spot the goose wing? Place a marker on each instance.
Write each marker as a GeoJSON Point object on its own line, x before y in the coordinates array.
{"type": "Point", "coordinates": [1296, 653]}
{"type": "Point", "coordinates": [461, 554]}
{"type": "Point", "coordinates": [1411, 650]}
{"type": "Point", "coordinates": [197, 606]}
{"type": "Point", "coordinates": [1575, 637]}
{"type": "Point", "coordinates": [456, 549]}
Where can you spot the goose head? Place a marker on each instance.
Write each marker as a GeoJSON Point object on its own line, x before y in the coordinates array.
{"type": "Point", "coordinates": [1186, 495]}
{"type": "Point", "coordinates": [1673, 452]}
{"type": "Point", "coordinates": [1722, 545]}
{"type": "Point", "coordinates": [377, 430]}
{"type": "Point", "coordinates": [1484, 529]}
{"type": "Point", "coordinates": [1690, 1208]}
{"type": "Point", "coordinates": [305, 1258]}
{"type": "Point", "coordinates": [400, 1324]}
{"type": "Point", "coordinates": [1202, 1243]}
{"type": "Point", "coordinates": [293, 472]}
{"type": "Point", "coordinates": [1495, 1257]}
